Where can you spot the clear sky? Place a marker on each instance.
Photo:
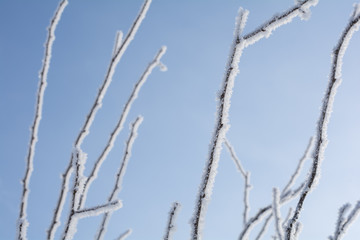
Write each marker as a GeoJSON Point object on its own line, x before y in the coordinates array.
{"type": "Point", "coordinates": [275, 107]}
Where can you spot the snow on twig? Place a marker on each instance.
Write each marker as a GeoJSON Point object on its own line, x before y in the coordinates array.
{"type": "Point", "coordinates": [170, 228]}
{"type": "Point", "coordinates": [264, 227]}
{"type": "Point", "coordinates": [124, 235]}
{"type": "Point", "coordinates": [221, 127]}
{"type": "Point", "coordinates": [326, 110]}
{"type": "Point", "coordinates": [268, 27]}
{"type": "Point", "coordinates": [246, 175]}
{"type": "Point", "coordinates": [343, 223]}
{"type": "Point", "coordinates": [293, 177]}
{"type": "Point", "coordinates": [276, 213]}
{"type": "Point", "coordinates": [120, 124]}
{"type": "Point", "coordinates": [120, 175]}
{"type": "Point", "coordinates": [22, 220]}
{"type": "Point", "coordinates": [91, 115]}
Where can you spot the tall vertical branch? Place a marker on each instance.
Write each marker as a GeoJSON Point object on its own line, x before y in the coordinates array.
{"type": "Point", "coordinates": [120, 175]}
{"type": "Point", "coordinates": [95, 107]}
{"type": "Point", "coordinates": [326, 110]}
{"type": "Point", "coordinates": [22, 220]}
{"type": "Point", "coordinates": [221, 126]}
{"type": "Point", "coordinates": [94, 172]}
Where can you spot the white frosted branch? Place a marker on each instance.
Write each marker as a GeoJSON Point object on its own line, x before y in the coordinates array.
{"type": "Point", "coordinates": [96, 106]}
{"type": "Point", "coordinates": [246, 176]}
{"type": "Point", "coordinates": [301, 9]}
{"type": "Point", "coordinates": [307, 155]}
{"type": "Point", "coordinates": [120, 124]}
{"type": "Point", "coordinates": [170, 228]}
{"type": "Point", "coordinates": [221, 127]}
{"type": "Point", "coordinates": [95, 211]}
{"type": "Point", "coordinates": [124, 235]}
{"type": "Point", "coordinates": [118, 41]}
{"type": "Point", "coordinates": [120, 175]}
{"type": "Point", "coordinates": [326, 110]}
{"type": "Point", "coordinates": [343, 223]}
{"type": "Point", "coordinates": [22, 220]}
{"type": "Point", "coordinates": [264, 227]}
{"type": "Point", "coordinates": [276, 213]}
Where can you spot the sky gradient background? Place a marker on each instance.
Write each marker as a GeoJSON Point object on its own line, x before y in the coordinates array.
{"type": "Point", "coordinates": [274, 110]}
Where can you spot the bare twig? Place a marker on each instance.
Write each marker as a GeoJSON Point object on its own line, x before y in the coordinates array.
{"type": "Point", "coordinates": [96, 106]}
{"type": "Point", "coordinates": [94, 172]}
{"type": "Point", "coordinates": [120, 175]}
{"type": "Point", "coordinates": [170, 228]}
{"type": "Point", "coordinates": [321, 134]}
{"type": "Point", "coordinates": [22, 220]}
{"type": "Point", "coordinates": [221, 127]}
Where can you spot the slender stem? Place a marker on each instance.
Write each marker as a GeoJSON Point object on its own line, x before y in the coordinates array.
{"type": "Point", "coordinates": [221, 127]}
{"type": "Point", "coordinates": [321, 135]}
{"type": "Point", "coordinates": [124, 235]}
{"type": "Point", "coordinates": [120, 175]}
{"type": "Point", "coordinates": [170, 228]}
{"type": "Point", "coordinates": [22, 220]}
{"type": "Point", "coordinates": [90, 117]}
{"type": "Point", "coordinates": [94, 172]}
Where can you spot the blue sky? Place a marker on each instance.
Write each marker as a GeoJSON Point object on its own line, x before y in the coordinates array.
{"type": "Point", "coordinates": [275, 107]}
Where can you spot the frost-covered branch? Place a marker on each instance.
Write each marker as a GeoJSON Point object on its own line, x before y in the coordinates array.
{"type": "Point", "coordinates": [120, 175]}
{"type": "Point", "coordinates": [276, 213]}
{"type": "Point", "coordinates": [170, 228]}
{"type": "Point", "coordinates": [293, 177]}
{"type": "Point", "coordinates": [120, 124]}
{"type": "Point", "coordinates": [95, 107]}
{"type": "Point", "coordinates": [221, 127]}
{"type": "Point", "coordinates": [246, 176]}
{"type": "Point", "coordinates": [124, 235]}
{"type": "Point", "coordinates": [22, 220]}
{"type": "Point", "coordinates": [264, 227]}
{"type": "Point", "coordinates": [326, 110]}
{"type": "Point", "coordinates": [343, 223]}
{"type": "Point", "coordinates": [88, 212]}
{"type": "Point", "coordinates": [302, 9]}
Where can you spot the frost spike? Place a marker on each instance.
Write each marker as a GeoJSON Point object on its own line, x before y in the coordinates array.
{"type": "Point", "coordinates": [124, 235]}
{"type": "Point", "coordinates": [22, 220]}
{"type": "Point", "coordinates": [325, 113]}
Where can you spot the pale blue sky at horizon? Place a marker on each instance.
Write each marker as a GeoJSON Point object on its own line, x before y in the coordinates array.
{"type": "Point", "coordinates": [274, 110]}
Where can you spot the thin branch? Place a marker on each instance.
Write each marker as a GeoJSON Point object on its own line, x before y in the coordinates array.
{"type": "Point", "coordinates": [22, 220]}
{"type": "Point", "coordinates": [344, 223]}
{"type": "Point", "coordinates": [95, 211]}
{"type": "Point", "coordinates": [264, 227]}
{"type": "Point", "coordinates": [246, 176]}
{"type": "Point", "coordinates": [170, 228]}
{"type": "Point", "coordinates": [321, 135]}
{"type": "Point", "coordinates": [221, 127]}
{"type": "Point", "coordinates": [120, 124]}
{"type": "Point", "coordinates": [124, 235]}
{"type": "Point", "coordinates": [90, 117]}
{"type": "Point", "coordinates": [120, 175]}
{"type": "Point", "coordinates": [268, 27]}
{"type": "Point", "coordinates": [276, 213]}
{"type": "Point", "coordinates": [307, 155]}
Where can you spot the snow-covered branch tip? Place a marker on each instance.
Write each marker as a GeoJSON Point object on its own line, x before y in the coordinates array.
{"type": "Point", "coordinates": [221, 128]}
{"type": "Point", "coordinates": [120, 175]}
{"type": "Point", "coordinates": [170, 228]}
{"type": "Point", "coordinates": [325, 113]}
{"type": "Point", "coordinates": [95, 107]}
{"type": "Point", "coordinates": [120, 124]}
{"type": "Point", "coordinates": [95, 211]}
{"type": "Point", "coordinates": [343, 223]}
{"type": "Point", "coordinates": [124, 235]}
{"type": "Point", "coordinates": [301, 9]}
{"type": "Point", "coordinates": [23, 223]}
